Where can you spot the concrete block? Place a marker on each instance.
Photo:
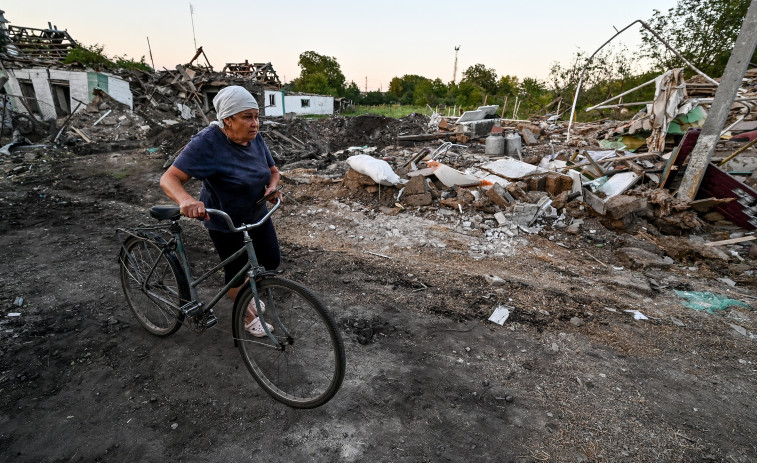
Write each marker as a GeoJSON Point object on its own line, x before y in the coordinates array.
{"type": "Point", "coordinates": [423, 199]}
{"type": "Point", "coordinates": [479, 128]}
{"type": "Point", "coordinates": [528, 137]}
{"type": "Point", "coordinates": [416, 186]}
{"type": "Point", "coordinates": [620, 206]}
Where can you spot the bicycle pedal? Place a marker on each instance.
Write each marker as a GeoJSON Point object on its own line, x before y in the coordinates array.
{"type": "Point", "coordinates": [192, 308]}
{"type": "Point", "coordinates": [210, 321]}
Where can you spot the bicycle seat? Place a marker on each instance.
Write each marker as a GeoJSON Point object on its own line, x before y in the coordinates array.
{"type": "Point", "coordinates": [166, 212]}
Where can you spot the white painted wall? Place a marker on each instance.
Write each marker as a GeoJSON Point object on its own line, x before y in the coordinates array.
{"type": "Point", "coordinates": [79, 86]}
{"type": "Point", "coordinates": [319, 104]}
{"type": "Point", "coordinates": [119, 90]}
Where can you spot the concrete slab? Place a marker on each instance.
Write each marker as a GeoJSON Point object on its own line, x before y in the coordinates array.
{"type": "Point", "coordinates": [513, 168]}
{"type": "Point", "coordinates": [470, 116]}
{"type": "Point", "coordinates": [490, 110]}
{"type": "Point", "coordinates": [451, 177]}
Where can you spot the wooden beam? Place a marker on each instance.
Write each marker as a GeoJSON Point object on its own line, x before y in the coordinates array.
{"type": "Point", "coordinates": [731, 241]}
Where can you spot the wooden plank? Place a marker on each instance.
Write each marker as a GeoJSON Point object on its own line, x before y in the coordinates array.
{"type": "Point", "coordinates": [284, 137]}
{"type": "Point", "coordinates": [633, 156]}
{"type": "Point", "coordinates": [81, 134]}
{"type": "Point", "coordinates": [731, 241]}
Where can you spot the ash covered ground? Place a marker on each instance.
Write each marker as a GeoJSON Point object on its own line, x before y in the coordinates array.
{"type": "Point", "coordinates": [571, 376]}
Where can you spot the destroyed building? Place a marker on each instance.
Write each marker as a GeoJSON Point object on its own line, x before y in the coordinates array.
{"type": "Point", "coordinates": [36, 81]}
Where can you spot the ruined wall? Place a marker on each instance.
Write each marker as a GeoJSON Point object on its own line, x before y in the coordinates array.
{"type": "Point", "coordinates": [80, 84]}
{"type": "Point", "coordinates": [318, 104]}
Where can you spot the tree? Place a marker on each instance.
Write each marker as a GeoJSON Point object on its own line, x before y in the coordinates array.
{"type": "Point", "coordinates": [352, 92]}
{"type": "Point", "coordinates": [319, 74]}
{"type": "Point", "coordinates": [395, 87]}
{"type": "Point", "coordinates": [479, 75]}
{"type": "Point", "coordinates": [469, 94]}
{"type": "Point", "coordinates": [703, 31]}
{"type": "Point", "coordinates": [612, 71]}
{"type": "Point", "coordinates": [507, 86]}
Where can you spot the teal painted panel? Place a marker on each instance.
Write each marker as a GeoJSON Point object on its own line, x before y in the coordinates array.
{"type": "Point", "coordinates": [96, 80]}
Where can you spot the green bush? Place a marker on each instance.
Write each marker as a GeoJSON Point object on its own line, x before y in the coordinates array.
{"type": "Point", "coordinates": [94, 56]}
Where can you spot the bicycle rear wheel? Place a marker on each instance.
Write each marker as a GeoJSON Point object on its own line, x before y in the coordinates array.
{"type": "Point", "coordinates": [307, 369]}
{"type": "Point", "coordinates": [156, 304]}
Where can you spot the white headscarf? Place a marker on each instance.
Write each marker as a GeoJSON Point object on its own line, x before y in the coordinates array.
{"type": "Point", "coordinates": [232, 100]}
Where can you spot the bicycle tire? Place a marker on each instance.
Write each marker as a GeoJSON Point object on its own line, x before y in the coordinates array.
{"type": "Point", "coordinates": [309, 370]}
{"type": "Point", "coordinates": [157, 307]}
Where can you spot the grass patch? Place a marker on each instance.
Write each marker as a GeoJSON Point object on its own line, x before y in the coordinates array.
{"type": "Point", "coordinates": [395, 111]}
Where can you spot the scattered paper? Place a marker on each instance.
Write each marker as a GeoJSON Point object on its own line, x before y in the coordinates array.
{"type": "Point", "coordinates": [637, 315]}
{"type": "Point", "coordinates": [500, 314]}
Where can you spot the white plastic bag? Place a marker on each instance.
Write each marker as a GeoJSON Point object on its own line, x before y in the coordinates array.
{"type": "Point", "coordinates": [376, 169]}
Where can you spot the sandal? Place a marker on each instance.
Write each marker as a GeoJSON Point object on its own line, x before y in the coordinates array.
{"type": "Point", "coordinates": [252, 310]}
{"type": "Point", "coordinates": [255, 328]}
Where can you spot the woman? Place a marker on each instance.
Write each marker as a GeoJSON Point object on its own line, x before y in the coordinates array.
{"type": "Point", "coordinates": [236, 169]}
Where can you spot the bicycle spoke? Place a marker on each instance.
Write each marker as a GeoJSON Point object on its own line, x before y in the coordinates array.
{"type": "Point", "coordinates": [153, 284]}
{"type": "Point", "coordinates": [308, 369]}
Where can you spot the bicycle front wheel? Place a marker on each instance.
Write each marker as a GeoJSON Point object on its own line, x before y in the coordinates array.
{"type": "Point", "coordinates": [307, 366]}
{"type": "Point", "coordinates": [154, 285]}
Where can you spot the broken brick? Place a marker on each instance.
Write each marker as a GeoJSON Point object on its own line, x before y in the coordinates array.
{"type": "Point", "coordinates": [556, 184]}
{"type": "Point", "coordinates": [518, 191]}
{"type": "Point", "coordinates": [354, 180]}
{"type": "Point", "coordinates": [537, 183]}
{"type": "Point", "coordinates": [498, 195]}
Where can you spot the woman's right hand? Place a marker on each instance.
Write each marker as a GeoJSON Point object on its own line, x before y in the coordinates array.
{"type": "Point", "coordinates": [172, 182]}
{"type": "Point", "coordinates": [194, 209]}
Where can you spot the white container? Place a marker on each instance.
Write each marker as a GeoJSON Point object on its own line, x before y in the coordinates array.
{"type": "Point", "coordinates": [495, 145]}
{"type": "Point", "coordinates": [512, 144]}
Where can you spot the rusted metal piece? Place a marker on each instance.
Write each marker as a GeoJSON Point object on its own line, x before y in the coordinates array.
{"type": "Point", "coordinates": [737, 152]}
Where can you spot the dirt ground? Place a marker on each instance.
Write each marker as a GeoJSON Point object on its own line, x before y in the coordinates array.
{"type": "Point", "coordinates": [570, 377]}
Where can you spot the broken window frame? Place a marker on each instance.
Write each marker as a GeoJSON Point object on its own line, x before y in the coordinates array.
{"type": "Point", "coordinates": [61, 93]}
{"type": "Point", "coordinates": [304, 102]}
{"type": "Point", "coordinates": [29, 95]}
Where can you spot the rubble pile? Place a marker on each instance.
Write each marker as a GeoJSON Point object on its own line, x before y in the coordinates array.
{"type": "Point", "coordinates": [538, 182]}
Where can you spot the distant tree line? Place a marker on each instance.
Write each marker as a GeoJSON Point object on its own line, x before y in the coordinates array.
{"type": "Point", "coordinates": [703, 31]}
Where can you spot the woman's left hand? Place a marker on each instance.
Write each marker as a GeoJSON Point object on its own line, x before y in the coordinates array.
{"type": "Point", "coordinates": [272, 189]}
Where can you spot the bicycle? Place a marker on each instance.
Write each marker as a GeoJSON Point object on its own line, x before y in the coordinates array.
{"type": "Point", "coordinates": [300, 362]}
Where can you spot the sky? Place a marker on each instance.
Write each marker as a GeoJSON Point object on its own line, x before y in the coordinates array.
{"type": "Point", "coordinates": [372, 41]}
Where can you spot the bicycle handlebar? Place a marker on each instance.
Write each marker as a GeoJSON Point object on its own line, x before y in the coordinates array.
{"type": "Point", "coordinates": [242, 228]}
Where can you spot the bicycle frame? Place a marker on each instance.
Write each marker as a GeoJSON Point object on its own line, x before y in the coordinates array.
{"type": "Point", "coordinates": [252, 269]}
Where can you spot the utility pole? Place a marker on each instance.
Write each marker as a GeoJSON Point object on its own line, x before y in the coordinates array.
{"type": "Point", "coordinates": [150, 48]}
{"type": "Point", "coordinates": [366, 84]}
{"type": "Point", "coordinates": [721, 105]}
{"type": "Point", "coordinates": [454, 71]}
{"type": "Point", "coordinates": [192, 17]}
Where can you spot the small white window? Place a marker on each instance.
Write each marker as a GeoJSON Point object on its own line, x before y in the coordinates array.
{"type": "Point", "coordinates": [305, 102]}
{"type": "Point", "coordinates": [272, 99]}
